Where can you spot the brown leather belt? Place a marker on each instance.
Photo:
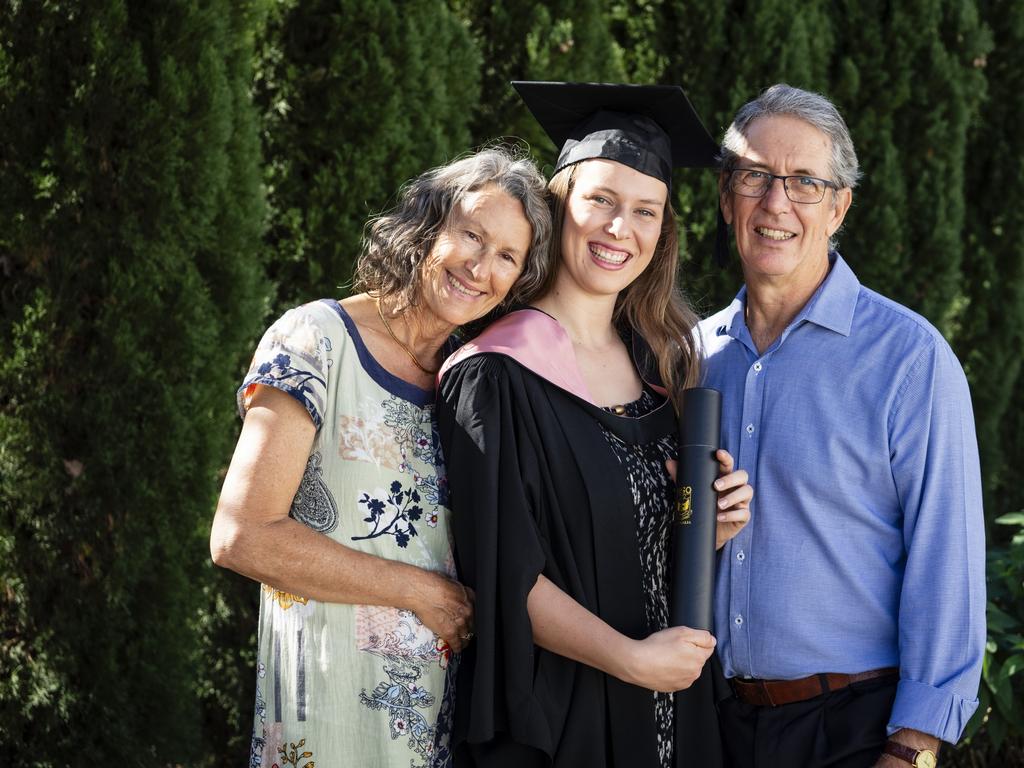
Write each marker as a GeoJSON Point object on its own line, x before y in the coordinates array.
{"type": "Point", "coordinates": [775, 693]}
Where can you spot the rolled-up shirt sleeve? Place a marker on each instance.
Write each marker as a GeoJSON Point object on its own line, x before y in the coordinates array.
{"type": "Point", "coordinates": [934, 457]}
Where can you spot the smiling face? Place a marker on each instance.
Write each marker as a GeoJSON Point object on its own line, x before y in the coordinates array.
{"type": "Point", "coordinates": [612, 223]}
{"type": "Point", "coordinates": [779, 240]}
{"type": "Point", "coordinates": [477, 259]}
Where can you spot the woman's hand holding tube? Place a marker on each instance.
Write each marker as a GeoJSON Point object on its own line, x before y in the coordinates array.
{"type": "Point", "coordinates": [734, 495]}
{"type": "Point", "coordinates": [669, 660]}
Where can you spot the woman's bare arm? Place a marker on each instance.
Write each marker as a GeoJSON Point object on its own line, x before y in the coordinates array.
{"type": "Point", "coordinates": [669, 660]}
{"type": "Point", "coordinates": [253, 534]}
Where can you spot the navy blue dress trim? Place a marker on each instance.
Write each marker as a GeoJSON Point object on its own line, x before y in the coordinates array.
{"type": "Point", "coordinates": [396, 386]}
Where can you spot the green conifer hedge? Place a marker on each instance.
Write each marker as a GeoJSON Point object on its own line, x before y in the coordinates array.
{"type": "Point", "coordinates": [130, 249]}
{"type": "Point", "coordinates": [357, 97]}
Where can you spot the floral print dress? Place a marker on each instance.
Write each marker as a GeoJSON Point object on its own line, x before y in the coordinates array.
{"type": "Point", "coordinates": [354, 685]}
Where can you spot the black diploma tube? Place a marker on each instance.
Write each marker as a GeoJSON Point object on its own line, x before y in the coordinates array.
{"type": "Point", "coordinates": [695, 512]}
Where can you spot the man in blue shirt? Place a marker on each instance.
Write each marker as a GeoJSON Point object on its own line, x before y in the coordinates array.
{"type": "Point", "coordinates": [850, 612]}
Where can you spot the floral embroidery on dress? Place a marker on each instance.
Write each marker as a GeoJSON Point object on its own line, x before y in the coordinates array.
{"type": "Point", "coordinates": [401, 698]}
{"type": "Point", "coordinates": [392, 515]}
{"type": "Point", "coordinates": [314, 504]}
{"type": "Point", "coordinates": [360, 438]}
{"type": "Point", "coordinates": [395, 512]}
{"type": "Point", "coordinates": [284, 599]}
{"type": "Point", "coordinates": [304, 385]}
{"type": "Point", "coordinates": [446, 714]}
{"type": "Point", "coordinates": [434, 490]}
{"type": "Point", "coordinates": [290, 755]}
{"type": "Point", "coordinates": [259, 738]}
{"type": "Point", "coordinates": [299, 331]}
{"type": "Point", "coordinates": [406, 651]}
{"type": "Point", "coordinates": [415, 431]}
{"type": "Point", "coordinates": [408, 421]}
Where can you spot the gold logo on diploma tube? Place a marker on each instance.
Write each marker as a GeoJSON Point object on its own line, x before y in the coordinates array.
{"type": "Point", "coordinates": [684, 509]}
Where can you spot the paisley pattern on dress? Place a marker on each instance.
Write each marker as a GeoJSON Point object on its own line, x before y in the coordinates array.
{"type": "Point", "coordinates": [314, 504]}
{"type": "Point", "coordinates": [652, 500]}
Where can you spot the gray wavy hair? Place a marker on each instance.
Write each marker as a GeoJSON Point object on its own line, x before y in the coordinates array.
{"type": "Point", "coordinates": [813, 108]}
{"type": "Point", "coordinates": [396, 243]}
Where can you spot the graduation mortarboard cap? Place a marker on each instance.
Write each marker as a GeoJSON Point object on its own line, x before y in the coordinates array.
{"type": "Point", "coordinates": [650, 128]}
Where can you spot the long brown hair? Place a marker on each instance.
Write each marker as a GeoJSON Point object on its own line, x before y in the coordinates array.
{"type": "Point", "coordinates": [653, 305]}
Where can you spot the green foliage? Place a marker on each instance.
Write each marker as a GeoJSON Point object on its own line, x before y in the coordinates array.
{"type": "Point", "coordinates": [560, 40]}
{"type": "Point", "coordinates": [642, 21]}
{"type": "Point", "coordinates": [225, 680]}
{"type": "Point", "coordinates": [989, 327]}
{"type": "Point", "coordinates": [999, 722]}
{"type": "Point", "coordinates": [129, 155]}
{"type": "Point", "coordinates": [989, 337]}
{"type": "Point", "coordinates": [356, 96]}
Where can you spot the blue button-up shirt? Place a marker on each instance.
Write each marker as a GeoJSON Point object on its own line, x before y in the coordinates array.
{"type": "Point", "coordinates": [865, 546]}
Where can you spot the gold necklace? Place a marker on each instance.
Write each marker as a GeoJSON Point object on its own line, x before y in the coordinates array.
{"type": "Point", "coordinates": [399, 342]}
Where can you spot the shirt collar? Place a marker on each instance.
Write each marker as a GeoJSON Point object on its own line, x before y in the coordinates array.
{"type": "Point", "coordinates": [835, 302]}
{"type": "Point", "coordinates": [832, 306]}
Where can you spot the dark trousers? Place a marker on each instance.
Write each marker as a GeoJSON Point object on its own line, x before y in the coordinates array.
{"type": "Point", "coordinates": [843, 729]}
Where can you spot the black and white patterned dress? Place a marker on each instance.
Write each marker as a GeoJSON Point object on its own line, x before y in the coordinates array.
{"type": "Point", "coordinates": [652, 490]}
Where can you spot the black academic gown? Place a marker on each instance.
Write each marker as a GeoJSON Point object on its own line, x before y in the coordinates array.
{"type": "Point", "coordinates": [535, 489]}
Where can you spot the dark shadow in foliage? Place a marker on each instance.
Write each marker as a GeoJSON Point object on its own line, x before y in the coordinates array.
{"type": "Point", "coordinates": [356, 97]}
{"type": "Point", "coordinates": [131, 245]}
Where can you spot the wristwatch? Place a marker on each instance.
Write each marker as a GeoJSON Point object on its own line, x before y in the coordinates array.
{"type": "Point", "coordinates": [919, 758]}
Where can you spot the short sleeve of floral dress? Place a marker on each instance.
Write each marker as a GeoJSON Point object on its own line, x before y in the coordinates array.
{"type": "Point", "coordinates": [354, 685]}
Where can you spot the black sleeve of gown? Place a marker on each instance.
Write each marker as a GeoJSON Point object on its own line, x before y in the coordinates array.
{"type": "Point", "coordinates": [500, 551]}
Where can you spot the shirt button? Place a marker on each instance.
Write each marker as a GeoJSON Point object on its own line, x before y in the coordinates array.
{"type": "Point", "coordinates": [758, 366]}
{"type": "Point", "coordinates": [750, 429]}
{"type": "Point", "coordinates": [741, 556]}
{"type": "Point", "coordinates": [738, 620]}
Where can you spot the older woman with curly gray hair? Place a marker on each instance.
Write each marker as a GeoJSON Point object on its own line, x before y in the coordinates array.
{"type": "Point", "coordinates": [336, 497]}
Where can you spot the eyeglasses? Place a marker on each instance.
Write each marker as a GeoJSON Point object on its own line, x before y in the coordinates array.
{"type": "Point", "coordinates": [799, 189]}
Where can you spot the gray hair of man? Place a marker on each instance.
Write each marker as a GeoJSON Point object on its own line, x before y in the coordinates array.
{"type": "Point", "coordinates": [813, 108]}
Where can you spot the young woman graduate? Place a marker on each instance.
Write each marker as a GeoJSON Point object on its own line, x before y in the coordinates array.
{"type": "Point", "coordinates": [556, 425]}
